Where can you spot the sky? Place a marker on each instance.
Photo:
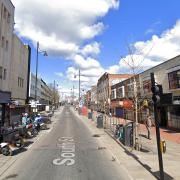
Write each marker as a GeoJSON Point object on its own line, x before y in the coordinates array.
{"type": "Point", "coordinates": [97, 36]}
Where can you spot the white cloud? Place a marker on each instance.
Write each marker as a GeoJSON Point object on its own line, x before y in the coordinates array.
{"type": "Point", "coordinates": [85, 63]}
{"type": "Point", "coordinates": [91, 49]}
{"type": "Point", "coordinates": [113, 69]}
{"type": "Point", "coordinates": [61, 27]}
{"type": "Point", "coordinates": [154, 51]}
{"type": "Point", "coordinates": [146, 54]}
{"type": "Point", "coordinates": [164, 47]}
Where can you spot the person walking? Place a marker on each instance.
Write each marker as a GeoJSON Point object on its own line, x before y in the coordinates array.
{"type": "Point", "coordinates": [148, 124]}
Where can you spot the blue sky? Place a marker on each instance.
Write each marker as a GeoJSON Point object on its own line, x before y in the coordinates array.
{"type": "Point", "coordinates": [123, 24]}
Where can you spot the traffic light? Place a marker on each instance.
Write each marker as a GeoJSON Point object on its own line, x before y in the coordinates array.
{"type": "Point", "coordinates": [157, 91]}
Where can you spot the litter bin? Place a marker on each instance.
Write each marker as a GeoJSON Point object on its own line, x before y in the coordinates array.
{"type": "Point", "coordinates": [128, 134]}
{"type": "Point", "coordinates": [90, 115]}
{"type": "Point", "coordinates": [100, 121]}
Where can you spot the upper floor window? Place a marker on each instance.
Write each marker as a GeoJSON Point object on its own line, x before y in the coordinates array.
{"type": "Point", "coordinates": [120, 92]}
{"type": "Point", "coordinates": [147, 86]}
{"type": "Point", "coordinates": [5, 74]}
{"type": "Point", "coordinates": [113, 94]}
{"type": "Point", "coordinates": [1, 72]}
{"type": "Point", "coordinates": [20, 82]}
{"type": "Point", "coordinates": [174, 79]}
{"type": "Point", "coordinates": [8, 18]}
{"type": "Point", "coordinates": [5, 12]}
{"type": "Point", "coordinates": [7, 44]}
{"type": "Point", "coordinates": [2, 42]}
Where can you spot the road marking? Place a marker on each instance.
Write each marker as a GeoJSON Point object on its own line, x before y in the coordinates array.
{"type": "Point", "coordinates": [67, 147]}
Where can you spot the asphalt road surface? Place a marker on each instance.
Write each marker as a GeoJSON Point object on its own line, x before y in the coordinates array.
{"type": "Point", "coordinates": [67, 152]}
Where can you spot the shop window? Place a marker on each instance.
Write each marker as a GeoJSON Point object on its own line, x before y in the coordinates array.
{"type": "Point", "coordinates": [174, 79]}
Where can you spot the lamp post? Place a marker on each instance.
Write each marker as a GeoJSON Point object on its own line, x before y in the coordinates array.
{"type": "Point", "coordinates": [37, 64]}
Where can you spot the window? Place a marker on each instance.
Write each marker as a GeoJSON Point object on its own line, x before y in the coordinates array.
{"type": "Point", "coordinates": [8, 18]}
{"type": "Point", "coordinates": [5, 74]}
{"type": "Point", "coordinates": [147, 86]}
{"type": "Point", "coordinates": [2, 7]}
{"type": "Point", "coordinates": [120, 92]}
{"type": "Point", "coordinates": [7, 43]}
{"type": "Point", "coordinates": [1, 71]}
{"type": "Point", "coordinates": [2, 43]}
{"type": "Point", "coordinates": [20, 82]}
{"type": "Point", "coordinates": [5, 11]}
{"type": "Point", "coordinates": [174, 79]}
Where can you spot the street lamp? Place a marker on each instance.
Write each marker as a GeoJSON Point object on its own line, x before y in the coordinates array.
{"type": "Point", "coordinates": [37, 61]}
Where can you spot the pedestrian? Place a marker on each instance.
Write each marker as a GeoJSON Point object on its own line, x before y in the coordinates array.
{"type": "Point", "coordinates": [148, 124]}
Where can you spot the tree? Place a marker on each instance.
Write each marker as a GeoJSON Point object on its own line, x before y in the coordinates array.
{"type": "Point", "coordinates": [134, 62]}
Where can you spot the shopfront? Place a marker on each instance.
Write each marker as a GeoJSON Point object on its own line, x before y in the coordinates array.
{"type": "Point", "coordinates": [5, 98]}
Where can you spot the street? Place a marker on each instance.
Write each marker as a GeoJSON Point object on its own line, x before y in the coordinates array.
{"type": "Point", "coordinates": [68, 151]}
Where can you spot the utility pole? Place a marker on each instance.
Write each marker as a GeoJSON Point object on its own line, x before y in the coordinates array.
{"type": "Point", "coordinates": [156, 100]}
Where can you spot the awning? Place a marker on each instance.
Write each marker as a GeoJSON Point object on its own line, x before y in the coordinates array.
{"type": "Point", "coordinates": [5, 97]}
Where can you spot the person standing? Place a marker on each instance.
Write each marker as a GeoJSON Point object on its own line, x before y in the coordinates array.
{"type": "Point", "coordinates": [148, 124]}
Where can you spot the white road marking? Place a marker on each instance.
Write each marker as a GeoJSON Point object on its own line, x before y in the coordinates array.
{"type": "Point", "coordinates": [67, 146]}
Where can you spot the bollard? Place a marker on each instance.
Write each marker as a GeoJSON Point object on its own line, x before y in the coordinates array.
{"type": "Point", "coordinates": [163, 146]}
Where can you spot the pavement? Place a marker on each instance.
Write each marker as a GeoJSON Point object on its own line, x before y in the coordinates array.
{"type": "Point", "coordinates": [147, 159]}
{"type": "Point", "coordinates": [69, 150]}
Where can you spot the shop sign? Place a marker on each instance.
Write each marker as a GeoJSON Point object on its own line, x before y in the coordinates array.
{"type": "Point", "coordinates": [127, 104]}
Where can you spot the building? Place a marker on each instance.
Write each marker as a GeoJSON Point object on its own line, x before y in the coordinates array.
{"type": "Point", "coordinates": [6, 31]}
{"type": "Point", "coordinates": [32, 88]}
{"type": "Point", "coordinates": [46, 97]}
{"type": "Point", "coordinates": [123, 97]}
{"type": "Point", "coordinates": [166, 74]}
{"type": "Point", "coordinates": [88, 99]}
{"type": "Point", "coordinates": [104, 89]}
{"type": "Point", "coordinates": [19, 79]}
{"type": "Point", "coordinates": [94, 97]}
